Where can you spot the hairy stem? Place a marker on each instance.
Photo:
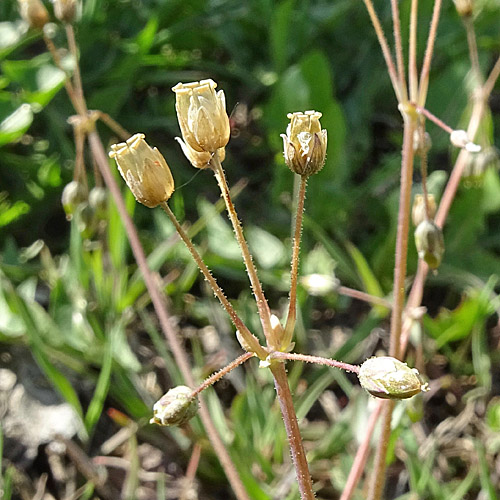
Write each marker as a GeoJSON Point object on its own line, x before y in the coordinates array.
{"type": "Point", "coordinates": [250, 339]}
{"type": "Point", "coordinates": [433, 118]}
{"type": "Point", "coordinates": [159, 305]}
{"type": "Point", "coordinates": [221, 373]}
{"type": "Point", "coordinates": [366, 297]}
{"type": "Point", "coordinates": [262, 305]}
{"type": "Point", "coordinates": [318, 360]}
{"type": "Point", "coordinates": [292, 308]}
{"type": "Point", "coordinates": [292, 431]}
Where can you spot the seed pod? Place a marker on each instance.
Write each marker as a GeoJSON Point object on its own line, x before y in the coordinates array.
{"type": "Point", "coordinates": [430, 243]}
{"type": "Point", "coordinates": [418, 214]}
{"type": "Point", "coordinates": [34, 13]}
{"type": "Point", "coordinates": [304, 143]}
{"type": "Point", "coordinates": [478, 163]}
{"type": "Point", "coordinates": [144, 170]}
{"type": "Point", "coordinates": [66, 10]}
{"type": "Point", "coordinates": [176, 407]}
{"type": "Point", "coordinates": [464, 8]}
{"type": "Point", "coordinates": [202, 116]}
{"type": "Point", "coordinates": [388, 378]}
{"type": "Point", "coordinates": [421, 147]}
{"type": "Point", "coordinates": [73, 194]}
{"type": "Point", "coordinates": [98, 200]}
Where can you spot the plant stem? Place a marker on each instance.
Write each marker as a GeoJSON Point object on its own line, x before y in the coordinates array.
{"type": "Point", "coordinates": [399, 49]}
{"type": "Point", "coordinates": [361, 455]}
{"type": "Point", "coordinates": [429, 50]}
{"type": "Point", "coordinates": [262, 305]}
{"type": "Point", "coordinates": [433, 118]}
{"type": "Point", "coordinates": [114, 125]}
{"type": "Point", "coordinates": [221, 373]}
{"type": "Point", "coordinates": [423, 167]}
{"type": "Point", "coordinates": [412, 63]}
{"type": "Point", "coordinates": [378, 477]}
{"type": "Point", "coordinates": [292, 430]}
{"type": "Point", "coordinates": [385, 49]}
{"type": "Point", "coordinates": [77, 79]}
{"type": "Point", "coordinates": [473, 53]}
{"type": "Point", "coordinates": [378, 474]}
{"type": "Point", "coordinates": [250, 339]}
{"type": "Point", "coordinates": [159, 305]}
{"type": "Point", "coordinates": [315, 359]}
{"type": "Point", "coordinates": [366, 297]}
{"type": "Point", "coordinates": [292, 308]}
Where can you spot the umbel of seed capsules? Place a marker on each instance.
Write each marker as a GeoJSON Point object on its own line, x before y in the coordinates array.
{"type": "Point", "coordinates": [388, 378]}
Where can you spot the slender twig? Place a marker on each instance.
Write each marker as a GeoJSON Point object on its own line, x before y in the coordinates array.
{"type": "Point", "coordinates": [378, 476]}
{"type": "Point", "coordinates": [412, 59]}
{"type": "Point", "coordinates": [262, 305]}
{"type": "Point", "coordinates": [399, 49]}
{"type": "Point", "coordinates": [159, 305]}
{"type": "Point", "coordinates": [114, 125]}
{"type": "Point", "coordinates": [67, 82]}
{"type": "Point", "coordinates": [429, 50]}
{"type": "Point", "coordinates": [489, 84]}
{"type": "Point", "coordinates": [385, 49]}
{"type": "Point", "coordinates": [361, 455]}
{"type": "Point", "coordinates": [423, 167]}
{"type": "Point", "coordinates": [292, 308]}
{"type": "Point", "coordinates": [366, 297]}
{"type": "Point", "coordinates": [292, 430]}
{"type": "Point", "coordinates": [377, 481]}
{"type": "Point", "coordinates": [315, 359]}
{"type": "Point", "coordinates": [221, 373]}
{"type": "Point", "coordinates": [79, 173]}
{"type": "Point", "coordinates": [473, 53]}
{"type": "Point", "coordinates": [433, 118]}
{"type": "Point", "coordinates": [250, 339]}
{"type": "Point", "coordinates": [191, 472]}
{"type": "Point", "coordinates": [77, 79]}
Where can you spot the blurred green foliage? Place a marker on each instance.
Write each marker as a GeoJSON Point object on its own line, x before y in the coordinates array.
{"type": "Point", "coordinates": [78, 304]}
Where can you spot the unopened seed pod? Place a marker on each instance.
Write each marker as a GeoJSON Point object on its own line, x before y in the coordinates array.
{"type": "Point", "coordinates": [388, 378]}
{"type": "Point", "coordinates": [176, 407]}
{"type": "Point", "coordinates": [430, 243]}
{"type": "Point", "coordinates": [73, 194]}
{"type": "Point", "coordinates": [418, 214]}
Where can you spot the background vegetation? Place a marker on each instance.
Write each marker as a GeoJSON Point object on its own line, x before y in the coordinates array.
{"type": "Point", "coordinates": [73, 307]}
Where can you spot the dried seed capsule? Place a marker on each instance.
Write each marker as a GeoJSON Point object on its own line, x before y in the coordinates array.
{"type": "Point", "coordinates": [430, 243]}
{"type": "Point", "coordinates": [304, 143]}
{"type": "Point", "coordinates": [144, 170]}
{"type": "Point", "coordinates": [34, 13]}
{"type": "Point", "coordinates": [388, 378]}
{"type": "Point", "coordinates": [176, 407]}
{"type": "Point", "coordinates": [202, 117]}
{"type": "Point", "coordinates": [421, 145]}
{"type": "Point", "coordinates": [66, 10]}
{"type": "Point", "coordinates": [418, 214]}
{"type": "Point", "coordinates": [464, 8]}
{"type": "Point", "coordinates": [478, 163]}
